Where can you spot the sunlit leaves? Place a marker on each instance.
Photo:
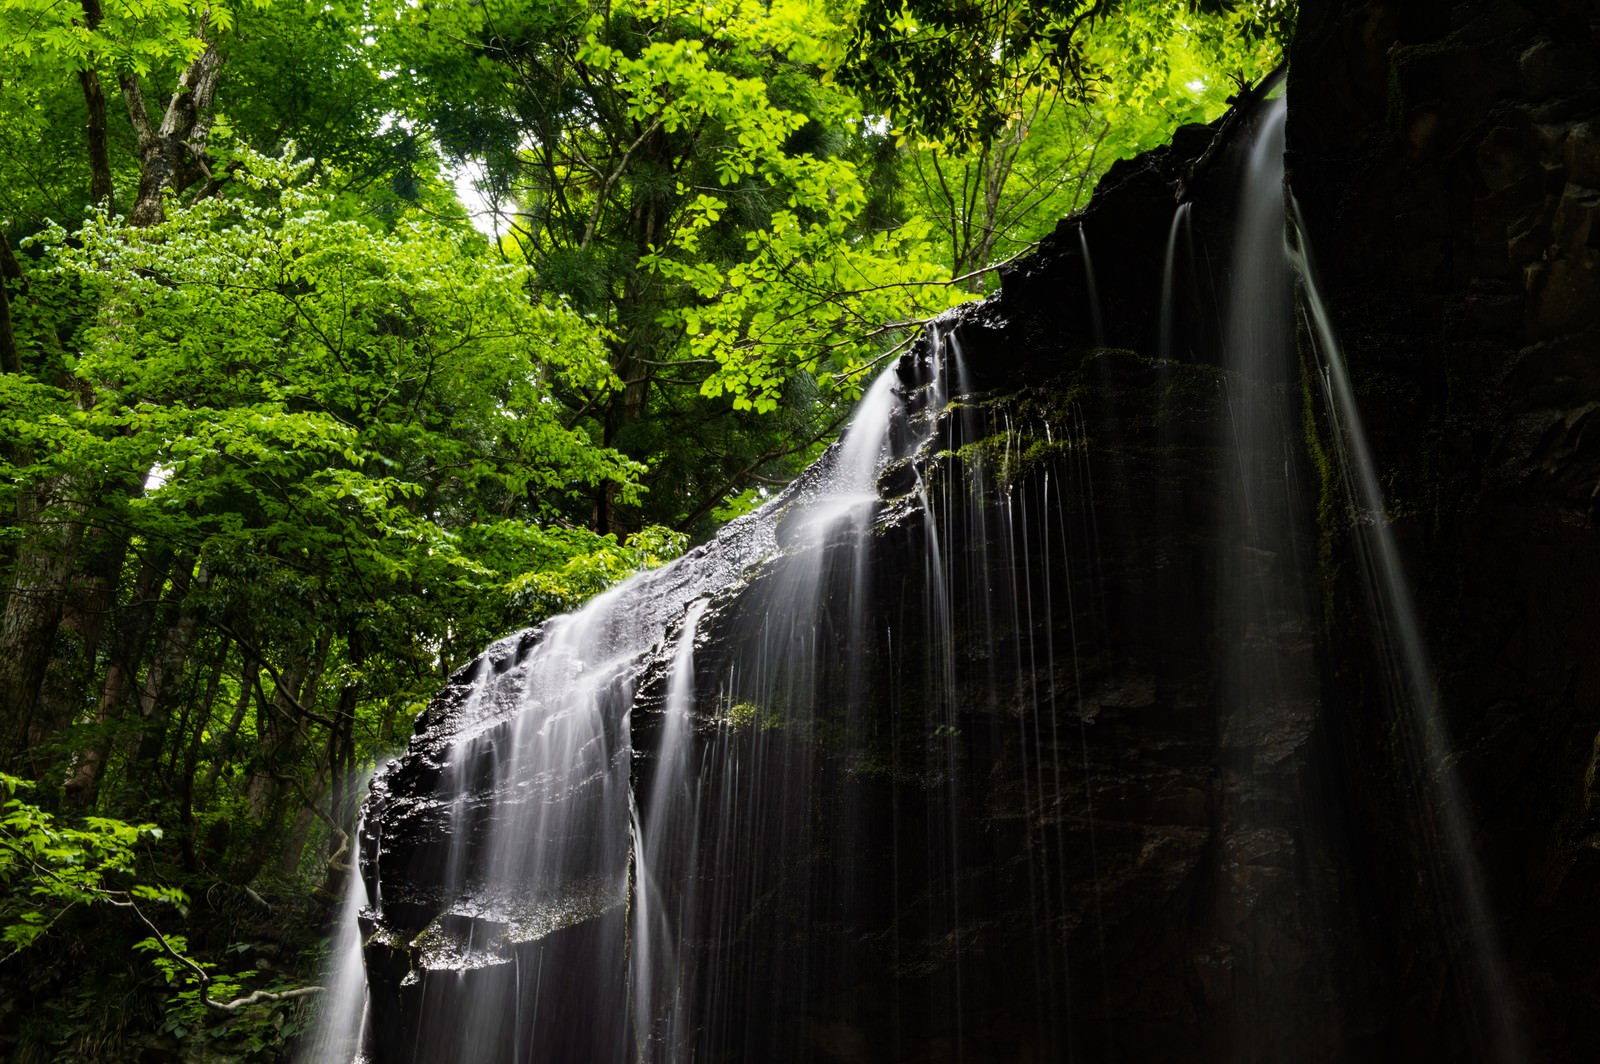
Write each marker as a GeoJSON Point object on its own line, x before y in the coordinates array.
{"type": "Point", "coordinates": [319, 392]}
{"type": "Point", "coordinates": [136, 36]}
{"type": "Point", "coordinates": [809, 297]}
{"type": "Point", "coordinates": [955, 69]}
{"type": "Point", "coordinates": [686, 171]}
{"type": "Point", "coordinates": [48, 867]}
{"type": "Point", "coordinates": [602, 563]}
{"type": "Point", "coordinates": [1161, 64]}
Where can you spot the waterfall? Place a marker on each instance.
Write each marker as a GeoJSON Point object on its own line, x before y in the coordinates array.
{"type": "Point", "coordinates": [555, 846]}
{"type": "Point", "coordinates": [1269, 680]}
{"type": "Point", "coordinates": [341, 1018]}
{"type": "Point", "coordinates": [993, 737]}
{"type": "Point", "coordinates": [1169, 271]}
{"type": "Point", "coordinates": [1273, 667]}
{"type": "Point", "coordinates": [1091, 288]}
{"type": "Point", "coordinates": [662, 842]}
{"type": "Point", "coordinates": [681, 842]}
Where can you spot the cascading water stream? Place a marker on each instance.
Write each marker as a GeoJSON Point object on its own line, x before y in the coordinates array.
{"type": "Point", "coordinates": [668, 847]}
{"type": "Point", "coordinates": [546, 838]}
{"type": "Point", "coordinates": [1270, 596]}
{"type": "Point", "coordinates": [1269, 678]}
{"type": "Point", "coordinates": [1397, 634]}
{"type": "Point", "coordinates": [669, 828]}
{"type": "Point", "coordinates": [1092, 289]}
{"type": "Point", "coordinates": [341, 1018]}
{"type": "Point", "coordinates": [1169, 269]}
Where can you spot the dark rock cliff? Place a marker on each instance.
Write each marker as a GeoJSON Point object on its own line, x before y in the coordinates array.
{"type": "Point", "coordinates": [1444, 156]}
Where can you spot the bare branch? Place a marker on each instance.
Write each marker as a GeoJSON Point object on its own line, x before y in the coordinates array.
{"type": "Point", "coordinates": [259, 996]}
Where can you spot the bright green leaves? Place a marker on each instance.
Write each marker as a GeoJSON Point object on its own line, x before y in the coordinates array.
{"type": "Point", "coordinates": [135, 36]}
{"type": "Point", "coordinates": [256, 332]}
{"type": "Point", "coordinates": [690, 173]}
{"type": "Point", "coordinates": [1162, 64]}
{"type": "Point", "coordinates": [686, 83]}
{"type": "Point", "coordinates": [1033, 148]}
{"type": "Point", "coordinates": [798, 286]}
{"type": "Point", "coordinates": [601, 563]}
{"type": "Point", "coordinates": [331, 396]}
{"type": "Point", "coordinates": [673, 84]}
{"type": "Point", "coordinates": [951, 68]}
{"type": "Point", "coordinates": [955, 71]}
{"type": "Point", "coordinates": [47, 867]}
{"type": "Point", "coordinates": [808, 299]}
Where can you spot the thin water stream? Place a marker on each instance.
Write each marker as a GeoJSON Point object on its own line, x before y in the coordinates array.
{"type": "Point", "coordinates": [1268, 596]}
{"type": "Point", "coordinates": [341, 1017]}
{"type": "Point", "coordinates": [1398, 637]}
{"type": "Point", "coordinates": [1169, 272]}
{"type": "Point", "coordinates": [1092, 289]}
{"type": "Point", "coordinates": [1268, 672]}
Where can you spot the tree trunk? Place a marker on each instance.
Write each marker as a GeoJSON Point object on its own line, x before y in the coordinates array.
{"type": "Point", "coordinates": [10, 356]}
{"type": "Point", "coordinates": [94, 98]}
{"type": "Point", "coordinates": [294, 844]}
{"type": "Point", "coordinates": [191, 756]}
{"type": "Point", "coordinates": [32, 616]}
{"type": "Point", "coordinates": [10, 362]}
{"type": "Point", "coordinates": [264, 791]}
{"type": "Point", "coordinates": [283, 729]}
{"type": "Point", "coordinates": [638, 308]}
{"type": "Point", "coordinates": [165, 670]}
{"type": "Point", "coordinates": [94, 101]}
{"type": "Point", "coordinates": [249, 670]}
{"type": "Point", "coordinates": [83, 784]}
{"type": "Point", "coordinates": [345, 804]}
{"type": "Point", "coordinates": [38, 571]}
{"type": "Point", "coordinates": [90, 598]}
{"type": "Point", "coordinates": [625, 409]}
{"type": "Point", "coordinates": [172, 155]}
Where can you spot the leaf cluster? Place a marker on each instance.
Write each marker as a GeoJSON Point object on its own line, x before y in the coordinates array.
{"type": "Point", "coordinates": [47, 868]}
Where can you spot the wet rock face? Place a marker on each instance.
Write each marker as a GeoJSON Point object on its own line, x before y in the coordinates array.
{"type": "Point", "coordinates": [1011, 817]}
{"type": "Point", "coordinates": [1445, 157]}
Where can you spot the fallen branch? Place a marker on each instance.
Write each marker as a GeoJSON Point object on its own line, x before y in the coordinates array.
{"type": "Point", "coordinates": [257, 997]}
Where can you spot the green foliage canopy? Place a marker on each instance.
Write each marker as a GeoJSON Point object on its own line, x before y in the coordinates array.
{"type": "Point", "coordinates": [903, 52]}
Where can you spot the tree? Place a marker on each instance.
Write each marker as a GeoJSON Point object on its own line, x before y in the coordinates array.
{"type": "Point", "coordinates": [956, 70]}
{"type": "Point", "coordinates": [349, 469]}
{"type": "Point", "coordinates": [991, 188]}
{"type": "Point", "coordinates": [317, 404]}
{"type": "Point", "coordinates": [131, 44]}
{"type": "Point", "coordinates": [689, 176]}
{"type": "Point", "coordinates": [53, 593]}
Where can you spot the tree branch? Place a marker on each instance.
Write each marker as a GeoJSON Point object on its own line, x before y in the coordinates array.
{"type": "Point", "coordinates": [756, 463]}
{"type": "Point", "coordinates": [138, 113]}
{"type": "Point", "coordinates": [280, 688]}
{"type": "Point", "coordinates": [257, 997]}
